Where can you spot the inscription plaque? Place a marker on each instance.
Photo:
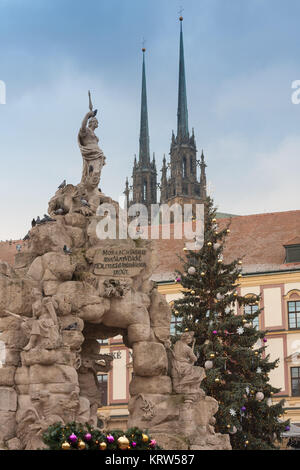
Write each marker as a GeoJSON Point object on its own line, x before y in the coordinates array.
{"type": "Point", "coordinates": [120, 261]}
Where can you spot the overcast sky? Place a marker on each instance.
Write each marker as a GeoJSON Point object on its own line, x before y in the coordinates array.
{"type": "Point", "coordinates": [241, 57]}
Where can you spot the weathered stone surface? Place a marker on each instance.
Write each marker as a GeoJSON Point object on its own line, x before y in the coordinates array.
{"type": "Point", "coordinates": [130, 309]}
{"type": "Point", "coordinates": [75, 220]}
{"type": "Point", "coordinates": [36, 270]}
{"type": "Point", "coordinates": [14, 336]}
{"type": "Point", "coordinates": [12, 357]}
{"type": "Point", "coordinates": [149, 359]}
{"type": "Point", "coordinates": [22, 376]}
{"type": "Point", "coordinates": [7, 425]}
{"type": "Point", "coordinates": [81, 294]}
{"type": "Point", "coordinates": [15, 295]}
{"type": "Point", "coordinates": [8, 399]}
{"type": "Point", "coordinates": [50, 287]}
{"type": "Point", "coordinates": [48, 238]}
{"type": "Point", "coordinates": [42, 374]}
{"type": "Point", "coordinates": [60, 265]}
{"type": "Point", "coordinates": [23, 260]}
{"type": "Point", "coordinates": [74, 339]}
{"type": "Point", "coordinates": [156, 412]}
{"type": "Point", "coordinates": [7, 374]}
{"type": "Point", "coordinates": [157, 385]}
{"type": "Point", "coordinates": [160, 311]}
{"type": "Point", "coordinates": [77, 236]}
{"type": "Point", "coordinates": [171, 441]}
{"type": "Point", "coordinates": [14, 444]}
{"type": "Point", "coordinates": [138, 332]}
{"type": "Point", "coordinates": [47, 357]}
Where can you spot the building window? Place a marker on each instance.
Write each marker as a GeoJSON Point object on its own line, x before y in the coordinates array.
{"type": "Point", "coordinates": [184, 167]}
{"type": "Point", "coordinates": [102, 379]}
{"type": "Point", "coordinates": [249, 309]}
{"type": "Point", "coordinates": [292, 254]}
{"type": "Point", "coordinates": [145, 191]}
{"type": "Point", "coordinates": [175, 321]}
{"type": "Point", "coordinates": [294, 314]}
{"type": "Point", "coordinates": [102, 341]}
{"type": "Point", "coordinates": [295, 378]}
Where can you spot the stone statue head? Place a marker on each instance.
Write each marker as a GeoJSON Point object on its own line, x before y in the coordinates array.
{"type": "Point", "coordinates": [93, 123]}
{"type": "Point", "coordinates": [187, 337]}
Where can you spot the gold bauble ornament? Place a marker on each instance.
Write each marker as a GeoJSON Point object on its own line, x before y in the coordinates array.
{"type": "Point", "coordinates": [185, 249]}
{"type": "Point", "coordinates": [65, 445]}
{"type": "Point", "coordinates": [209, 243]}
{"type": "Point", "coordinates": [214, 221]}
{"type": "Point", "coordinates": [102, 446]}
{"type": "Point", "coordinates": [81, 445]}
{"type": "Point", "coordinates": [217, 380]}
{"type": "Point", "coordinates": [123, 442]}
{"type": "Point", "coordinates": [203, 273]}
{"type": "Point", "coordinates": [246, 442]}
{"type": "Point", "coordinates": [228, 231]}
{"type": "Point", "coordinates": [193, 292]}
{"type": "Point", "coordinates": [212, 355]}
{"type": "Point", "coordinates": [240, 262]}
{"type": "Point", "coordinates": [145, 438]}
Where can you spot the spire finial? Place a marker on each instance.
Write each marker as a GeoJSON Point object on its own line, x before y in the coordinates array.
{"type": "Point", "coordinates": [180, 13]}
{"type": "Point", "coordinates": [144, 152]}
{"type": "Point", "coordinates": [182, 112]}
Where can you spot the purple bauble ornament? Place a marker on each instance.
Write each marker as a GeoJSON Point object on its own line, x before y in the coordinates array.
{"type": "Point", "coordinates": [73, 437]}
{"type": "Point", "coordinates": [110, 438]}
{"type": "Point", "coordinates": [88, 437]}
{"type": "Point", "coordinates": [133, 444]}
{"type": "Point", "coordinates": [152, 443]}
{"type": "Point", "coordinates": [265, 340]}
{"type": "Point", "coordinates": [243, 408]}
{"type": "Point", "coordinates": [287, 428]}
{"type": "Point", "coordinates": [215, 332]}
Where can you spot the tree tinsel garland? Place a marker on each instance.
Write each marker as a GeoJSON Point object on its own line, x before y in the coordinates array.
{"type": "Point", "coordinates": [77, 436]}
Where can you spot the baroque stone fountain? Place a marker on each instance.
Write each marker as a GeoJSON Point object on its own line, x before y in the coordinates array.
{"type": "Point", "coordinates": [68, 289]}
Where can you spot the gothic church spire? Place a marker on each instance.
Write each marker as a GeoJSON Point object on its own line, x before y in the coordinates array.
{"type": "Point", "coordinates": [182, 112]}
{"type": "Point", "coordinates": [144, 152]}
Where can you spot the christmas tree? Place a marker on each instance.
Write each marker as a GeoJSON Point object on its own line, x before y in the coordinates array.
{"type": "Point", "coordinates": [229, 345]}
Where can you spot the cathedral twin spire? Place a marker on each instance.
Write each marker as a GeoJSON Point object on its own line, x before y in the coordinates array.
{"type": "Point", "coordinates": [183, 181]}
{"type": "Point", "coordinates": [182, 111]}
{"type": "Point", "coordinates": [144, 152]}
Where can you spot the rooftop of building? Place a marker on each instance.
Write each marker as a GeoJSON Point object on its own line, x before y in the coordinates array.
{"type": "Point", "coordinates": [259, 240]}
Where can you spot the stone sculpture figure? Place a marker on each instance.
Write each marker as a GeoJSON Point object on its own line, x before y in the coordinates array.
{"type": "Point", "coordinates": [93, 157]}
{"type": "Point", "coordinates": [44, 331]}
{"type": "Point", "coordinates": [186, 377]}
